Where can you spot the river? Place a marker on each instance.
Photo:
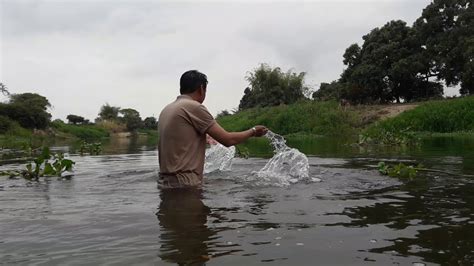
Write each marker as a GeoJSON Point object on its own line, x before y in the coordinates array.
{"type": "Point", "coordinates": [111, 212]}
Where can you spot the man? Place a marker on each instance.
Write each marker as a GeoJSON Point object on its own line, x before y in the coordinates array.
{"type": "Point", "coordinates": [182, 126]}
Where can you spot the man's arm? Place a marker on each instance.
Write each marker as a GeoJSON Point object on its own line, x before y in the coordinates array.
{"type": "Point", "coordinates": [232, 138]}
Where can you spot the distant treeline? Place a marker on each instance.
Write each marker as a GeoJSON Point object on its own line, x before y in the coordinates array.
{"type": "Point", "coordinates": [395, 63]}
{"type": "Point", "coordinates": [31, 111]}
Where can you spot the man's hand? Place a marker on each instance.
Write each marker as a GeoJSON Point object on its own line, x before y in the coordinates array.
{"type": "Point", "coordinates": [232, 138]}
{"type": "Point", "coordinates": [260, 131]}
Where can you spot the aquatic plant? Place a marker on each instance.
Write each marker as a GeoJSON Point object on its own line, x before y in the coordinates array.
{"type": "Point", "coordinates": [44, 164]}
{"type": "Point", "coordinates": [388, 137]}
{"type": "Point", "coordinates": [399, 170]}
{"type": "Point", "coordinates": [90, 148]}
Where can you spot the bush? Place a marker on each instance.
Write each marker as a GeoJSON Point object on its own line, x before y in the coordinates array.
{"type": "Point", "coordinates": [87, 132]}
{"type": "Point", "coordinates": [5, 124]}
{"type": "Point", "coordinates": [111, 126]}
{"type": "Point", "coordinates": [322, 118]}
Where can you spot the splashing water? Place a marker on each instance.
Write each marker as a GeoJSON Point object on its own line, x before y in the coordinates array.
{"type": "Point", "coordinates": [287, 166]}
{"type": "Point", "coordinates": [218, 157]}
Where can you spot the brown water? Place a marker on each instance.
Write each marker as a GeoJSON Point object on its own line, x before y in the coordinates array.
{"type": "Point", "coordinates": [112, 213]}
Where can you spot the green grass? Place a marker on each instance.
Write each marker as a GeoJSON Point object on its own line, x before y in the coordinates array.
{"type": "Point", "coordinates": [443, 116]}
{"type": "Point", "coordinates": [87, 132]}
{"type": "Point", "coordinates": [307, 117]}
{"type": "Point", "coordinates": [454, 116]}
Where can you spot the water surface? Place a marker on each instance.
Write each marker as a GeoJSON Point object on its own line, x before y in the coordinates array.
{"type": "Point", "coordinates": [112, 213]}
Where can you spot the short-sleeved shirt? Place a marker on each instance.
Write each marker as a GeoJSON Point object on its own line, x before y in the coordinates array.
{"type": "Point", "coordinates": [182, 127]}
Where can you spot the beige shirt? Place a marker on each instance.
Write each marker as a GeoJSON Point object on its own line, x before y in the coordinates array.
{"type": "Point", "coordinates": [182, 129]}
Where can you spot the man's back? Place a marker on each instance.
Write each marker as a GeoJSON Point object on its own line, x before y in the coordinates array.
{"type": "Point", "coordinates": [182, 128]}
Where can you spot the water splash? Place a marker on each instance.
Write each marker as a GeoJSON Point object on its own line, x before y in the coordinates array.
{"type": "Point", "coordinates": [287, 166]}
{"type": "Point", "coordinates": [218, 157]}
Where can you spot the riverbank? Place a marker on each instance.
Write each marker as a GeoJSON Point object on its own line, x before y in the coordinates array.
{"type": "Point", "coordinates": [330, 119]}
{"type": "Point", "coordinates": [58, 132]}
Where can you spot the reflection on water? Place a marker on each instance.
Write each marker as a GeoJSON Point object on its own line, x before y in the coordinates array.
{"type": "Point", "coordinates": [184, 234]}
{"type": "Point", "coordinates": [107, 214]}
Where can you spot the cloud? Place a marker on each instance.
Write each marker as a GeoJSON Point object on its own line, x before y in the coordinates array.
{"type": "Point", "coordinates": [82, 54]}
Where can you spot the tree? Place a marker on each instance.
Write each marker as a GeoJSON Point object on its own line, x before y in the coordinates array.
{"type": "Point", "coordinates": [4, 89]}
{"type": "Point", "coordinates": [390, 66]}
{"type": "Point", "coordinates": [131, 118]}
{"type": "Point", "coordinates": [329, 91]}
{"type": "Point", "coordinates": [150, 123]}
{"type": "Point", "coordinates": [222, 114]}
{"type": "Point", "coordinates": [28, 109]}
{"type": "Point", "coordinates": [75, 119]}
{"type": "Point", "coordinates": [270, 87]}
{"type": "Point", "coordinates": [108, 112]}
{"type": "Point", "coordinates": [446, 29]}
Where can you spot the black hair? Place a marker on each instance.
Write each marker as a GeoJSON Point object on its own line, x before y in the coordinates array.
{"type": "Point", "coordinates": [191, 81]}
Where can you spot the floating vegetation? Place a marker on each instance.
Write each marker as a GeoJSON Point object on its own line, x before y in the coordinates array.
{"type": "Point", "coordinates": [45, 164]}
{"type": "Point", "coordinates": [399, 170]}
{"type": "Point", "coordinates": [90, 148]}
{"type": "Point", "coordinates": [410, 171]}
{"type": "Point", "coordinates": [386, 137]}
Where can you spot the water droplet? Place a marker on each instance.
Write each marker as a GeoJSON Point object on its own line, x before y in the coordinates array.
{"type": "Point", "coordinates": [299, 244]}
{"type": "Point", "coordinates": [278, 237]}
{"type": "Point", "coordinates": [299, 230]}
{"type": "Point", "coordinates": [229, 243]}
{"type": "Point", "coordinates": [270, 229]}
{"type": "Point", "coordinates": [277, 244]}
{"type": "Point", "coordinates": [418, 264]}
{"type": "Point", "coordinates": [218, 157]}
{"type": "Point", "coordinates": [373, 241]}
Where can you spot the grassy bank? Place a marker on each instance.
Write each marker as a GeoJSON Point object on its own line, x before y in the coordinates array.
{"type": "Point", "coordinates": [308, 117]}
{"type": "Point", "coordinates": [455, 116]}
{"type": "Point", "coordinates": [87, 132]}
{"type": "Point", "coordinates": [387, 124]}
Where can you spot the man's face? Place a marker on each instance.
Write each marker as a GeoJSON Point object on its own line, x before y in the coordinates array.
{"type": "Point", "coordinates": [203, 93]}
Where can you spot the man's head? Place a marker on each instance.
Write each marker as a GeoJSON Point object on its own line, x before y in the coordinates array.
{"type": "Point", "coordinates": [191, 81]}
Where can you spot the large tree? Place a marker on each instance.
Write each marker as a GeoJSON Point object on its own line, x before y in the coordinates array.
{"type": "Point", "coordinates": [30, 110]}
{"type": "Point", "coordinates": [150, 123]}
{"type": "Point", "coordinates": [108, 112]}
{"type": "Point", "coordinates": [75, 119]}
{"type": "Point", "coordinates": [270, 87]}
{"type": "Point", "coordinates": [131, 118]}
{"type": "Point", "coordinates": [388, 67]}
{"type": "Point", "coordinates": [446, 29]}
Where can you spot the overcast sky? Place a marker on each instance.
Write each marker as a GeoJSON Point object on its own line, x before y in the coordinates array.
{"type": "Point", "coordinates": [83, 54]}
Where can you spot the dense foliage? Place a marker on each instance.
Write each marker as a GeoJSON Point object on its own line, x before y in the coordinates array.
{"type": "Point", "coordinates": [75, 119]}
{"type": "Point", "coordinates": [30, 110]}
{"type": "Point", "coordinates": [271, 87]}
{"type": "Point", "coordinates": [150, 123]}
{"type": "Point", "coordinates": [87, 132]}
{"type": "Point", "coordinates": [322, 118]}
{"type": "Point", "coordinates": [397, 62]}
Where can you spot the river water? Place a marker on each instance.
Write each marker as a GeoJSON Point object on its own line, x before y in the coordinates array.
{"type": "Point", "coordinates": [111, 212]}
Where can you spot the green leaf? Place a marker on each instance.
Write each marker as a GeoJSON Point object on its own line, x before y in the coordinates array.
{"type": "Point", "coordinates": [45, 153]}
{"type": "Point", "coordinates": [68, 164]}
{"type": "Point", "coordinates": [48, 169]}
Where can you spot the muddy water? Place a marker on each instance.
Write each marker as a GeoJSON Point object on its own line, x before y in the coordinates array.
{"type": "Point", "coordinates": [111, 212]}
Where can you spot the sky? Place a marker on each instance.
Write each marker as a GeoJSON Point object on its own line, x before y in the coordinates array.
{"type": "Point", "coordinates": [84, 54]}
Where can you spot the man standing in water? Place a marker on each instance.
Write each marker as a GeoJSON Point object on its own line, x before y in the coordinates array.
{"type": "Point", "coordinates": [182, 127]}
